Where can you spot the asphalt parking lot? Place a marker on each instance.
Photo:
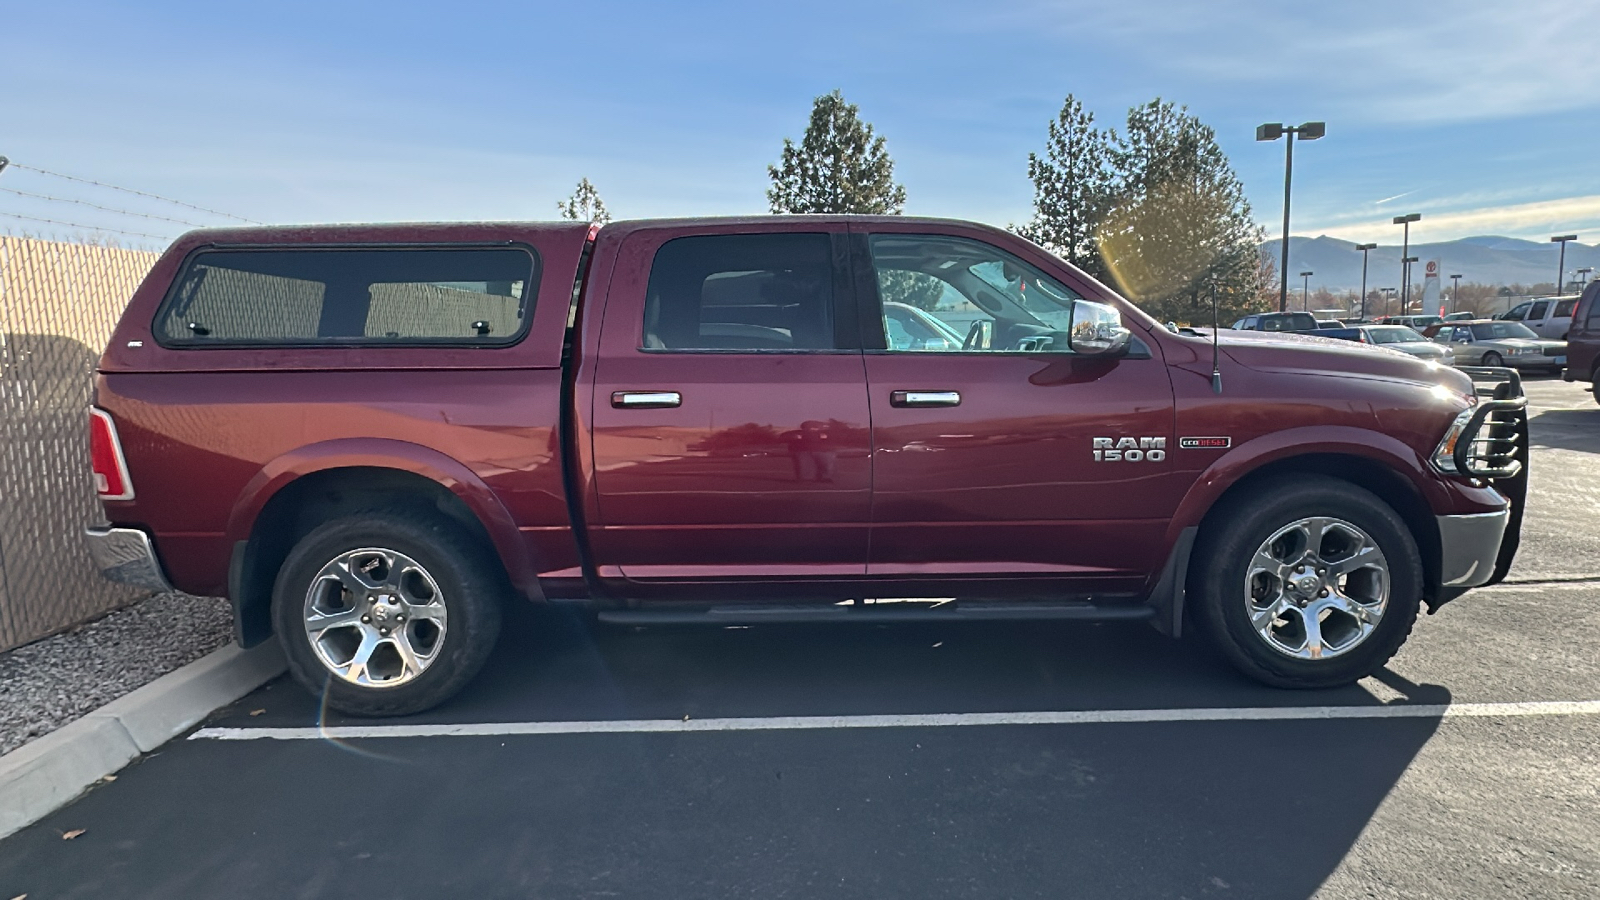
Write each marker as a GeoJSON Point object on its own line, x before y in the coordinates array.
{"type": "Point", "coordinates": [972, 761]}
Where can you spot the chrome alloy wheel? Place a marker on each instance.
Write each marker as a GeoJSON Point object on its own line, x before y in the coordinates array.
{"type": "Point", "coordinates": [1317, 588]}
{"type": "Point", "coordinates": [375, 617]}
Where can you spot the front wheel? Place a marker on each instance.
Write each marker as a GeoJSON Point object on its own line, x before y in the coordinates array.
{"type": "Point", "coordinates": [388, 612]}
{"type": "Point", "coordinates": [1493, 359]}
{"type": "Point", "coordinates": [1308, 582]}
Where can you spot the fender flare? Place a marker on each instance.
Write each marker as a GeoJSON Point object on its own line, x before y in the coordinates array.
{"type": "Point", "coordinates": [1170, 588]}
{"type": "Point", "coordinates": [386, 453]}
{"type": "Point", "coordinates": [1312, 440]}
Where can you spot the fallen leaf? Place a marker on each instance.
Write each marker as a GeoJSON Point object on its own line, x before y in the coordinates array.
{"type": "Point", "coordinates": [109, 778]}
{"type": "Point", "coordinates": [938, 645]}
{"type": "Point", "coordinates": [67, 836]}
{"type": "Point", "coordinates": [20, 897]}
{"type": "Point", "coordinates": [257, 712]}
{"type": "Point", "coordinates": [686, 718]}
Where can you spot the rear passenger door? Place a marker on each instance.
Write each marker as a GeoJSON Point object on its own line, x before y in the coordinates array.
{"type": "Point", "coordinates": [730, 421]}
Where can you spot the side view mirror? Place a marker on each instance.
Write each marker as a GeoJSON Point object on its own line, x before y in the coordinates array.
{"type": "Point", "coordinates": [1096, 330]}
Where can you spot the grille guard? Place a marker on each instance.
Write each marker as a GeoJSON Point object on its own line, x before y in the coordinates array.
{"type": "Point", "coordinates": [1502, 397]}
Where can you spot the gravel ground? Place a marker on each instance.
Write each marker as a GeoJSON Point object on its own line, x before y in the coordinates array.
{"type": "Point", "coordinates": [48, 683]}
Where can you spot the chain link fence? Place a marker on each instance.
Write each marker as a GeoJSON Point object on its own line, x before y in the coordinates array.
{"type": "Point", "coordinates": [58, 304]}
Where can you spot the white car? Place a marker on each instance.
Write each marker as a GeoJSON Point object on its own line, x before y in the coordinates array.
{"type": "Point", "coordinates": [1548, 317]}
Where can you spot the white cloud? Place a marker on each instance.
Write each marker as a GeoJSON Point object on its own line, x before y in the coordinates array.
{"type": "Point", "coordinates": [1396, 61]}
{"type": "Point", "coordinates": [1536, 220]}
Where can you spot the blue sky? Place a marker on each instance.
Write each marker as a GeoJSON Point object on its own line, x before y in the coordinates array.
{"type": "Point", "coordinates": [1485, 117]}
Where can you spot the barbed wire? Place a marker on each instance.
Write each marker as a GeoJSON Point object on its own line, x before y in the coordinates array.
{"type": "Point", "coordinates": [159, 237]}
{"type": "Point", "coordinates": [123, 212]}
{"type": "Point", "coordinates": [214, 212]}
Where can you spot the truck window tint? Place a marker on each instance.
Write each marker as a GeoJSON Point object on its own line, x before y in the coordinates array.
{"type": "Point", "coordinates": [1564, 308]}
{"type": "Point", "coordinates": [952, 294]}
{"type": "Point", "coordinates": [360, 296]}
{"type": "Point", "coordinates": [741, 292]}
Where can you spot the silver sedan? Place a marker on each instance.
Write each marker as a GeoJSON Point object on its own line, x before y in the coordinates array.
{"type": "Point", "coordinates": [1495, 343]}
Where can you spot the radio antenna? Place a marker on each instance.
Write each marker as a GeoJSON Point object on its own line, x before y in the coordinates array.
{"type": "Point", "coordinates": [1216, 326]}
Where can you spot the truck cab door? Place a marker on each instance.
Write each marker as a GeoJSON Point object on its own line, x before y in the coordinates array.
{"type": "Point", "coordinates": [729, 412]}
{"type": "Point", "coordinates": [1006, 458]}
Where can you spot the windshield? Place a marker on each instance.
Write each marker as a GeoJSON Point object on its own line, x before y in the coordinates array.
{"type": "Point", "coordinates": [1395, 335]}
{"type": "Point", "coordinates": [1489, 331]}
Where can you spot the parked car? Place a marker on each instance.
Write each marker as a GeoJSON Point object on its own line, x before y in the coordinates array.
{"type": "Point", "coordinates": [1396, 337]}
{"type": "Point", "coordinates": [1496, 343]}
{"type": "Point", "coordinates": [1325, 324]}
{"type": "Point", "coordinates": [1583, 341]}
{"type": "Point", "coordinates": [1416, 323]}
{"type": "Point", "coordinates": [1291, 322]}
{"type": "Point", "coordinates": [368, 437]}
{"type": "Point", "coordinates": [1460, 317]}
{"type": "Point", "coordinates": [907, 327]}
{"type": "Point", "coordinates": [1548, 317]}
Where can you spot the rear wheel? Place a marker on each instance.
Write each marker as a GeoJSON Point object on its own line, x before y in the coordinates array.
{"type": "Point", "coordinates": [1308, 582]}
{"type": "Point", "coordinates": [1493, 359]}
{"type": "Point", "coordinates": [387, 613]}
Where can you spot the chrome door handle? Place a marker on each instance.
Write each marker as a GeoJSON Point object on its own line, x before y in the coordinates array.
{"type": "Point", "coordinates": [646, 399]}
{"type": "Point", "coordinates": [925, 398]}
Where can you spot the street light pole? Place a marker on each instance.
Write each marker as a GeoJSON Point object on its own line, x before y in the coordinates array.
{"type": "Point", "coordinates": [1405, 258]}
{"type": "Point", "coordinates": [1584, 281]}
{"type": "Point", "coordinates": [1310, 131]}
{"type": "Point", "coordinates": [1364, 248]}
{"type": "Point", "coordinates": [1305, 291]}
{"type": "Point", "coordinates": [1561, 265]}
{"type": "Point", "coordinates": [1455, 293]}
{"type": "Point", "coordinates": [1388, 295]}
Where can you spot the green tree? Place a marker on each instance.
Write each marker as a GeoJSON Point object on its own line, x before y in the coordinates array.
{"type": "Point", "coordinates": [1179, 223]}
{"type": "Point", "coordinates": [1071, 189]}
{"type": "Point", "coordinates": [584, 205]}
{"type": "Point", "coordinates": [840, 166]}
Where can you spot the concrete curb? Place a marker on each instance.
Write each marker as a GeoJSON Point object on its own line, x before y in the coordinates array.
{"type": "Point", "coordinates": [46, 774]}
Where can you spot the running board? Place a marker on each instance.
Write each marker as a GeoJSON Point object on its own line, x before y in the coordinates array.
{"type": "Point", "coordinates": [875, 613]}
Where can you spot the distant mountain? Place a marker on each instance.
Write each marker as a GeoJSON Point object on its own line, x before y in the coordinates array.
{"type": "Point", "coordinates": [1488, 259]}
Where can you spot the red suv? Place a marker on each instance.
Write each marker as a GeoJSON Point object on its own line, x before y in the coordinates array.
{"type": "Point", "coordinates": [1583, 340]}
{"type": "Point", "coordinates": [368, 436]}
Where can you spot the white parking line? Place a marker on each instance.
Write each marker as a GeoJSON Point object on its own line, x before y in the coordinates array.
{"type": "Point", "coordinates": [933, 720]}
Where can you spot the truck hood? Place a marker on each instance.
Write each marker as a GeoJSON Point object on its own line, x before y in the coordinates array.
{"type": "Point", "coordinates": [1310, 355]}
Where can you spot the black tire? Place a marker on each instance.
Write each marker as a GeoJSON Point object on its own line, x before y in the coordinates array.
{"type": "Point", "coordinates": [1492, 359]}
{"type": "Point", "coordinates": [467, 576]}
{"type": "Point", "coordinates": [1228, 543]}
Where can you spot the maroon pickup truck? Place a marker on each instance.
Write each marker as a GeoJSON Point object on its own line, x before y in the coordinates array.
{"type": "Point", "coordinates": [369, 436]}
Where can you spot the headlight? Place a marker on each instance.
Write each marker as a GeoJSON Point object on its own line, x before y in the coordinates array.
{"type": "Point", "coordinates": [1444, 456]}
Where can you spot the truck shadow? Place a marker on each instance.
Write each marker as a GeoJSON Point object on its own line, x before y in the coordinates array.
{"type": "Point", "coordinates": [1172, 808]}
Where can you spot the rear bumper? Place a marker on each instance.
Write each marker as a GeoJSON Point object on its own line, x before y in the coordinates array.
{"type": "Point", "coordinates": [1470, 547]}
{"type": "Point", "coordinates": [125, 555]}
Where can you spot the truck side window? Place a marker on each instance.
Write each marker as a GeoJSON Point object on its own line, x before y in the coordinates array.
{"type": "Point", "coordinates": [949, 294]}
{"type": "Point", "coordinates": [304, 296]}
{"type": "Point", "coordinates": [741, 292]}
{"type": "Point", "coordinates": [1536, 312]}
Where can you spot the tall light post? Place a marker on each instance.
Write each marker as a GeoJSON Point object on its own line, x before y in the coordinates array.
{"type": "Point", "coordinates": [1364, 248]}
{"type": "Point", "coordinates": [1388, 295]}
{"type": "Point", "coordinates": [1405, 258]}
{"type": "Point", "coordinates": [1310, 131]}
{"type": "Point", "coordinates": [1561, 265]}
{"type": "Point", "coordinates": [1455, 293]}
{"type": "Point", "coordinates": [1305, 291]}
{"type": "Point", "coordinates": [1583, 282]}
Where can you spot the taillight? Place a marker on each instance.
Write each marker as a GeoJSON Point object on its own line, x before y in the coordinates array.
{"type": "Point", "coordinates": [111, 479]}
